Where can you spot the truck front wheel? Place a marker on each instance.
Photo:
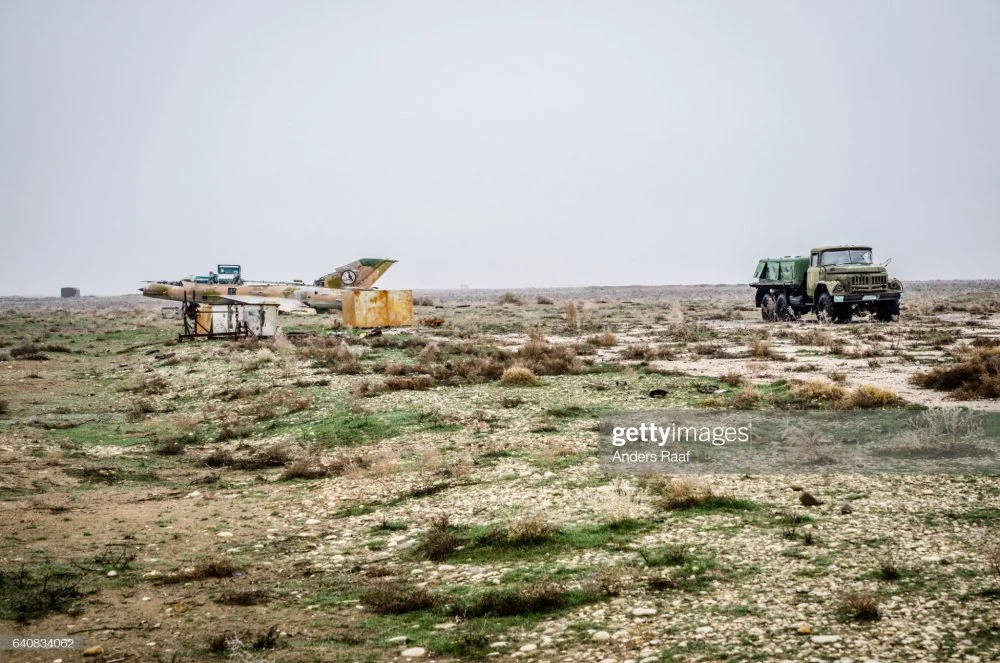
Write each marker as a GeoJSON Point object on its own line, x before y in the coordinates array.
{"type": "Point", "coordinates": [824, 308]}
{"type": "Point", "coordinates": [885, 311]}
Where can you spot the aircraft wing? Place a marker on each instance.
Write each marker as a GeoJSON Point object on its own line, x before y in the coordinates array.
{"type": "Point", "coordinates": [285, 305]}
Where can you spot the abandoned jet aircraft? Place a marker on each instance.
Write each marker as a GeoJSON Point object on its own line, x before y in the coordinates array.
{"type": "Point", "coordinates": [227, 286]}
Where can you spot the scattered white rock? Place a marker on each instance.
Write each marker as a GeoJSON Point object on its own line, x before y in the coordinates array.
{"type": "Point", "coordinates": [825, 639]}
{"type": "Point", "coordinates": [528, 647]}
{"type": "Point", "coordinates": [413, 652]}
{"type": "Point", "coordinates": [643, 612]}
{"type": "Point", "coordinates": [601, 636]}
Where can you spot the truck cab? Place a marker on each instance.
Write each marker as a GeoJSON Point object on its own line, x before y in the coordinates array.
{"type": "Point", "coordinates": [228, 274]}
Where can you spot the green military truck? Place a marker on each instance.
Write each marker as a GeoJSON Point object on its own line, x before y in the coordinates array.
{"type": "Point", "coordinates": [835, 282]}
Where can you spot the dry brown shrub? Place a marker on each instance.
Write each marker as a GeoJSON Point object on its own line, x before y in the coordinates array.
{"type": "Point", "coordinates": [812, 446]}
{"type": "Point", "coordinates": [868, 397]}
{"type": "Point", "coordinates": [709, 350]}
{"type": "Point", "coordinates": [603, 340]}
{"type": "Point", "coordinates": [219, 458]}
{"type": "Point", "coordinates": [817, 391]}
{"type": "Point", "coordinates": [685, 492]}
{"type": "Point", "coordinates": [440, 541]}
{"type": "Point", "coordinates": [430, 460]}
{"type": "Point", "coordinates": [151, 385]}
{"type": "Point", "coordinates": [461, 468]}
{"type": "Point", "coordinates": [622, 505]}
{"type": "Point", "coordinates": [991, 554]}
{"type": "Point", "coordinates": [363, 388]}
{"type": "Point", "coordinates": [510, 298]}
{"type": "Point", "coordinates": [395, 368]}
{"type": "Point", "coordinates": [384, 465]}
{"type": "Point", "coordinates": [392, 597]}
{"type": "Point", "coordinates": [838, 377]}
{"type": "Point", "coordinates": [523, 530]}
{"type": "Point", "coordinates": [271, 456]}
{"type": "Point", "coordinates": [976, 376]}
{"type": "Point", "coordinates": [412, 383]}
{"type": "Point", "coordinates": [304, 469]}
{"type": "Point", "coordinates": [545, 301]}
{"type": "Point", "coordinates": [733, 379]}
{"type": "Point", "coordinates": [570, 314]}
{"type": "Point", "coordinates": [466, 370]}
{"type": "Point", "coordinates": [519, 376]}
{"type": "Point", "coordinates": [761, 349]}
{"type": "Point", "coordinates": [647, 352]}
{"type": "Point", "coordinates": [291, 400]}
{"type": "Point", "coordinates": [814, 336]}
{"type": "Point", "coordinates": [549, 359]}
{"type": "Point", "coordinates": [746, 398]}
{"type": "Point", "coordinates": [536, 335]}
{"type": "Point", "coordinates": [217, 567]}
{"type": "Point", "coordinates": [860, 606]}
{"type": "Point", "coordinates": [337, 359]}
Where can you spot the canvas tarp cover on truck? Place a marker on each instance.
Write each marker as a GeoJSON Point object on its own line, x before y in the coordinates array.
{"type": "Point", "coordinates": [785, 270]}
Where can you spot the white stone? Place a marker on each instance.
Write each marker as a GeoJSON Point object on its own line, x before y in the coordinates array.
{"type": "Point", "coordinates": [702, 630]}
{"type": "Point", "coordinates": [112, 573]}
{"type": "Point", "coordinates": [399, 639]}
{"type": "Point", "coordinates": [825, 639]}
{"type": "Point", "coordinates": [528, 647]}
{"type": "Point", "coordinates": [224, 535]}
{"type": "Point", "coordinates": [601, 636]}
{"type": "Point", "coordinates": [643, 612]}
{"type": "Point", "coordinates": [413, 652]}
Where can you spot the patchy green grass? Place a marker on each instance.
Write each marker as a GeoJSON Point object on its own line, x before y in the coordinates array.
{"type": "Point", "coordinates": [481, 544]}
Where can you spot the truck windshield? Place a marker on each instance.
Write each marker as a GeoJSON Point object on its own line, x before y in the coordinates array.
{"type": "Point", "coordinates": [847, 257]}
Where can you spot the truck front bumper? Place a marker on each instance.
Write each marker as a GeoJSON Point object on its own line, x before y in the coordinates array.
{"type": "Point", "coordinates": [864, 297]}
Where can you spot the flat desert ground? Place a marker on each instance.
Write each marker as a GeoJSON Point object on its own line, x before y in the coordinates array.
{"type": "Point", "coordinates": [435, 492]}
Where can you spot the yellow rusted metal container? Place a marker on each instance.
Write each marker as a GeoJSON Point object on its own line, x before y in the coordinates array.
{"type": "Point", "coordinates": [203, 320]}
{"type": "Point", "coordinates": [377, 308]}
{"type": "Point", "coordinates": [400, 308]}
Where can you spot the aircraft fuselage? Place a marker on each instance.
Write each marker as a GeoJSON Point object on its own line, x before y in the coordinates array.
{"type": "Point", "coordinates": [316, 297]}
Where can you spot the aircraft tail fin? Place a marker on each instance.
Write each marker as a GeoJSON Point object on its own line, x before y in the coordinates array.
{"type": "Point", "coordinates": [358, 274]}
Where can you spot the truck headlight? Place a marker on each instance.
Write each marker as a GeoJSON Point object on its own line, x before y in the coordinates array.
{"type": "Point", "coordinates": [839, 287]}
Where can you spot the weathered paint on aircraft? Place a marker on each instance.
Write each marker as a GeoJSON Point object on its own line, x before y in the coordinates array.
{"type": "Point", "coordinates": [324, 294]}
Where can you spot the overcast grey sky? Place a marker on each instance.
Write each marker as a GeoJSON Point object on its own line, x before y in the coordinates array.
{"type": "Point", "coordinates": [494, 144]}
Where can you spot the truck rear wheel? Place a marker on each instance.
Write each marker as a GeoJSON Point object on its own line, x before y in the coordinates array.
{"type": "Point", "coordinates": [767, 308]}
{"type": "Point", "coordinates": [781, 310]}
